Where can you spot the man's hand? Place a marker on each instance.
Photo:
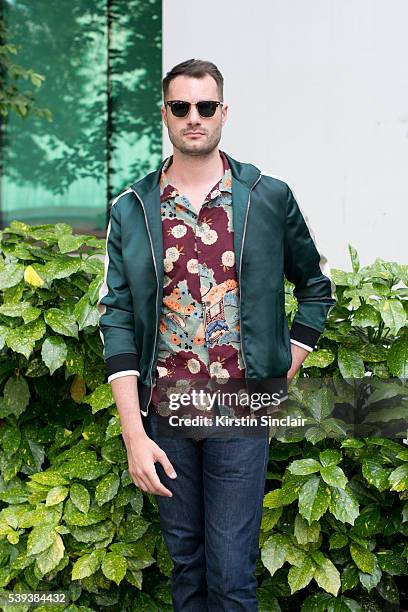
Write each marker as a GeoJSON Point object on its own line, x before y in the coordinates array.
{"type": "Point", "coordinates": [299, 354]}
{"type": "Point", "coordinates": [143, 452]}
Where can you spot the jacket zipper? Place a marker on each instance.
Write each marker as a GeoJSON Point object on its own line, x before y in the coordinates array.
{"type": "Point", "coordinates": [240, 269]}
{"type": "Point", "coordinates": [157, 295]}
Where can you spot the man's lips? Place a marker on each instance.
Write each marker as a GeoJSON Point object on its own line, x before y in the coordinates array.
{"type": "Point", "coordinates": [194, 134]}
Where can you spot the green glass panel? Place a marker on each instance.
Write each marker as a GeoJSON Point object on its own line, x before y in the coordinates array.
{"type": "Point", "coordinates": [136, 72]}
{"type": "Point", "coordinates": [102, 63]}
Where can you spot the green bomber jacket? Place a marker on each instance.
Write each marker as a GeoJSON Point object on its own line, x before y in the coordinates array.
{"type": "Point", "coordinates": [272, 240]}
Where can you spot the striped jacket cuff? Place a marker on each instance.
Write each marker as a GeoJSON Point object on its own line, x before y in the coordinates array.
{"type": "Point", "coordinates": [124, 362]}
{"type": "Point", "coordinates": [304, 336]}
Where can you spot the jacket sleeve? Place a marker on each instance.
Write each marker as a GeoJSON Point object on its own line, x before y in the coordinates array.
{"type": "Point", "coordinates": [308, 269]}
{"type": "Point", "coordinates": [116, 323]}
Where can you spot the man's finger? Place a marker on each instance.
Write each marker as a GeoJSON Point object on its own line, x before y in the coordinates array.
{"type": "Point", "coordinates": [154, 483]}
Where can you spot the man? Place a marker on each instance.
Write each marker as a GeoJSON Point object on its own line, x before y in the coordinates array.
{"type": "Point", "coordinates": [196, 257]}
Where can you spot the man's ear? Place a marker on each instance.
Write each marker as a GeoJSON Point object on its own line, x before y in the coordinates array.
{"type": "Point", "coordinates": [164, 114]}
{"type": "Point", "coordinates": [224, 114]}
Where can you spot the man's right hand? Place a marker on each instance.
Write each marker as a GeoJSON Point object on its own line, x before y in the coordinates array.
{"type": "Point", "coordinates": [142, 453]}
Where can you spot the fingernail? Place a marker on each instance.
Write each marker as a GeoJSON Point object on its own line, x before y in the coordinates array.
{"type": "Point", "coordinates": [173, 475]}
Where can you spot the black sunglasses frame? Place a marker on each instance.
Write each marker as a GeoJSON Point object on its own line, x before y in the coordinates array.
{"type": "Point", "coordinates": [216, 103]}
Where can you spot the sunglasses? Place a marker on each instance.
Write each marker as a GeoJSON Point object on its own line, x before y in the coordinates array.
{"type": "Point", "coordinates": [206, 108]}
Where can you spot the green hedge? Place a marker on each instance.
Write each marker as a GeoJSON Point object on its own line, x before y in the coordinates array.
{"type": "Point", "coordinates": [335, 513]}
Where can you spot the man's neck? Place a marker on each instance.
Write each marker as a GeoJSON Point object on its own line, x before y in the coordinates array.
{"type": "Point", "coordinates": [191, 170]}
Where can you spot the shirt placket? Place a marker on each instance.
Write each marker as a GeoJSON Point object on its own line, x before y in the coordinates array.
{"type": "Point", "coordinates": [201, 264]}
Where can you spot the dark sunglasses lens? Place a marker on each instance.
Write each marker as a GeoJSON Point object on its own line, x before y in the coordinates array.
{"type": "Point", "coordinates": [207, 109]}
{"type": "Point", "coordinates": [180, 109]}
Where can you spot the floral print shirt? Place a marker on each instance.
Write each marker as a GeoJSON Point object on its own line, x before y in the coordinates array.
{"type": "Point", "coordinates": [199, 334]}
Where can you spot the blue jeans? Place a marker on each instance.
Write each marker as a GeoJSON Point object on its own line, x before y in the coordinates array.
{"type": "Point", "coordinates": [211, 524]}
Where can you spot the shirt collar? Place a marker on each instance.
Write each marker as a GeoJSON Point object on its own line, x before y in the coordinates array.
{"type": "Point", "coordinates": [224, 184]}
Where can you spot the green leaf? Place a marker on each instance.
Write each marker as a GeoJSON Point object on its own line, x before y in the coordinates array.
{"type": "Point", "coordinates": [375, 474]}
{"type": "Point", "coordinates": [354, 258]}
{"type": "Point", "coordinates": [80, 497]}
{"type": "Point", "coordinates": [366, 316]}
{"type": "Point", "coordinates": [337, 540]}
{"type": "Point", "coordinates": [370, 580]}
{"type": "Point", "coordinates": [274, 552]}
{"type": "Point", "coordinates": [134, 528]}
{"type": "Point", "coordinates": [369, 522]}
{"type": "Point", "coordinates": [397, 359]}
{"type": "Point", "coordinates": [388, 590]}
{"type": "Point", "coordinates": [305, 533]}
{"type": "Point", "coordinates": [94, 533]}
{"type": "Point", "coordinates": [57, 269]}
{"type": "Point", "coordinates": [363, 558]}
{"type": "Point", "coordinates": [16, 395]}
{"type": "Point", "coordinates": [11, 275]}
{"type": "Point", "coordinates": [299, 577]}
{"type": "Point", "coordinates": [270, 518]}
{"type": "Point", "coordinates": [349, 577]}
{"type": "Point", "coordinates": [40, 538]}
{"type": "Point", "coordinates": [343, 505]}
{"type": "Point", "coordinates": [319, 359]}
{"type": "Point", "coordinates": [24, 309]}
{"type": "Point", "coordinates": [85, 466]}
{"type": "Point", "coordinates": [393, 314]}
{"type": "Point", "coordinates": [73, 516]}
{"type": "Point", "coordinates": [86, 314]}
{"type": "Point", "coordinates": [303, 467]}
{"type": "Point", "coordinates": [107, 488]}
{"type": "Point", "coordinates": [318, 602]}
{"type": "Point", "coordinates": [334, 476]}
{"type": "Point", "coordinates": [392, 562]}
{"type": "Point", "coordinates": [330, 457]}
{"type": "Point", "coordinates": [326, 574]}
{"type": "Point", "coordinates": [22, 339]}
{"type": "Point", "coordinates": [56, 495]}
{"type": "Point", "coordinates": [280, 497]}
{"type": "Point", "coordinates": [399, 478]}
{"type": "Point", "coordinates": [61, 322]}
{"type": "Point", "coordinates": [314, 497]}
{"type": "Point", "coordinates": [100, 398]}
{"type": "Point", "coordinates": [71, 242]}
{"type": "Point", "coordinates": [350, 363]}
{"type": "Point", "coordinates": [114, 567]}
{"type": "Point", "coordinates": [49, 478]}
{"type": "Point", "coordinates": [50, 558]}
{"type": "Point", "coordinates": [87, 565]}
{"type": "Point", "coordinates": [352, 443]}
{"type": "Point", "coordinates": [372, 353]}
{"type": "Point", "coordinates": [320, 402]}
{"type": "Point", "coordinates": [10, 440]}
{"type": "Point", "coordinates": [54, 352]}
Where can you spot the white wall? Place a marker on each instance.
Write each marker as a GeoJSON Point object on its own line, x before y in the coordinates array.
{"type": "Point", "coordinates": [318, 94]}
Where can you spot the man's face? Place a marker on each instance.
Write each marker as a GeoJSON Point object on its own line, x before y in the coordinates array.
{"type": "Point", "coordinates": [193, 134]}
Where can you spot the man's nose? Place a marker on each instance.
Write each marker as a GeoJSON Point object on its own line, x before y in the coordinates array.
{"type": "Point", "coordinates": [194, 116]}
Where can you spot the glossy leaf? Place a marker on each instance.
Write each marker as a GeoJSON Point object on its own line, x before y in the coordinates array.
{"type": "Point", "coordinates": [54, 352]}
{"type": "Point", "coordinates": [314, 497]}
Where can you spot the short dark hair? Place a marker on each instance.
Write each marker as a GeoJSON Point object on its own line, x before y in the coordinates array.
{"type": "Point", "coordinates": [194, 68]}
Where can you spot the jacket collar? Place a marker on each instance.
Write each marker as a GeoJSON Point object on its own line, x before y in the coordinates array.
{"type": "Point", "coordinates": [246, 174]}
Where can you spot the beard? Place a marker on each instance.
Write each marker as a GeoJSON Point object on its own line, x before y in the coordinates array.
{"type": "Point", "coordinates": [210, 142]}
